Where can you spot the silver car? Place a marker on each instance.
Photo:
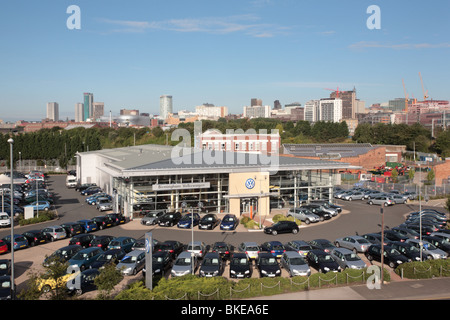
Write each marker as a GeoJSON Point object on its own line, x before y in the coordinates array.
{"type": "Point", "coordinates": [185, 263]}
{"type": "Point", "coordinates": [294, 263]}
{"type": "Point", "coordinates": [429, 250]}
{"type": "Point", "coordinates": [347, 259]}
{"type": "Point", "coordinates": [104, 204]}
{"type": "Point", "coordinates": [198, 248]}
{"type": "Point", "coordinates": [152, 217]}
{"type": "Point", "coordinates": [441, 235]}
{"type": "Point", "coordinates": [356, 195]}
{"type": "Point", "coordinates": [250, 248]}
{"type": "Point", "coordinates": [55, 232]}
{"type": "Point", "coordinates": [355, 243]}
{"type": "Point", "coordinates": [303, 215]}
{"type": "Point", "coordinates": [132, 263]}
{"type": "Point", "coordinates": [381, 200]}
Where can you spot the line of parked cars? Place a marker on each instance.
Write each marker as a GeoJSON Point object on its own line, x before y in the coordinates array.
{"type": "Point", "coordinates": [376, 197]}
{"type": "Point", "coordinates": [315, 211]}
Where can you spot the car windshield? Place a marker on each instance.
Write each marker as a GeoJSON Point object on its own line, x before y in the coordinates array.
{"type": "Point", "coordinates": [186, 218]}
{"type": "Point", "coordinates": [80, 256]}
{"type": "Point", "coordinates": [268, 261]}
{"type": "Point", "coordinates": [158, 259]}
{"type": "Point", "coordinates": [105, 257]}
{"type": "Point", "coordinates": [230, 219]}
{"type": "Point", "coordinates": [364, 241]}
{"type": "Point", "coordinates": [183, 261]}
{"type": "Point", "coordinates": [297, 261]}
{"type": "Point", "coordinates": [211, 261]}
{"type": "Point", "coordinates": [429, 246]}
{"type": "Point", "coordinates": [239, 261]}
{"type": "Point", "coordinates": [351, 257]}
{"type": "Point", "coordinates": [394, 252]}
{"type": "Point", "coordinates": [325, 258]}
{"type": "Point", "coordinates": [196, 247]}
{"type": "Point", "coordinates": [4, 217]}
{"type": "Point", "coordinates": [129, 259]}
{"type": "Point", "coordinates": [252, 249]}
{"type": "Point", "coordinates": [208, 219]}
{"type": "Point", "coordinates": [114, 243]}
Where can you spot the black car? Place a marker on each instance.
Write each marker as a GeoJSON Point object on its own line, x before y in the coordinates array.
{"type": "Point", "coordinates": [101, 241]}
{"type": "Point", "coordinates": [83, 282]}
{"type": "Point", "coordinates": [209, 221]}
{"type": "Point", "coordinates": [117, 218]}
{"type": "Point", "coordinates": [212, 265]}
{"type": "Point", "coordinates": [392, 257]}
{"type": "Point", "coordinates": [267, 265]}
{"type": "Point", "coordinates": [72, 228]}
{"type": "Point", "coordinates": [83, 240]}
{"type": "Point", "coordinates": [373, 238]}
{"type": "Point", "coordinates": [406, 249]}
{"type": "Point", "coordinates": [5, 287]}
{"type": "Point", "coordinates": [35, 237]}
{"type": "Point", "coordinates": [322, 244]}
{"type": "Point", "coordinates": [282, 227]}
{"type": "Point", "coordinates": [84, 186]}
{"type": "Point", "coordinates": [63, 254]}
{"type": "Point", "coordinates": [223, 249]}
{"type": "Point", "coordinates": [322, 261]}
{"type": "Point", "coordinates": [109, 256]}
{"type": "Point", "coordinates": [161, 263]}
{"type": "Point", "coordinates": [394, 236]}
{"type": "Point", "coordinates": [173, 247]}
{"type": "Point", "coordinates": [240, 266]}
{"type": "Point", "coordinates": [5, 267]}
{"type": "Point", "coordinates": [438, 242]}
{"type": "Point", "coordinates": [169, 219]}
{"type": "Point", "coordinates": [103, 222]}
{"type": "Point", "coordinates": [317, 210]}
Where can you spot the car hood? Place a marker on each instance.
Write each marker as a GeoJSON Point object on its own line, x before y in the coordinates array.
{"type": "Point", "coordinates": [240, 268]}
{"type": "Point", "coordinates": [357, 264]}
{"type": "Point", "coordinates": [270, 268]}
{"type": "Point", "coordinates": [300, 267]}
{"type": "Point", "coordinates": [180, 269]}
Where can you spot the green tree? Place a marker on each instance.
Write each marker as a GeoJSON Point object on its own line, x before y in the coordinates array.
{"type": "Point", "coordinates": [108, 278]}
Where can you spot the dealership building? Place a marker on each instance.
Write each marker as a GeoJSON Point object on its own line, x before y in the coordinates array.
{"type": "Point", "coordinates": [174, 178]}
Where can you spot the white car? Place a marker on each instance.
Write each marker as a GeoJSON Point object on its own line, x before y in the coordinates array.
{"type": "Point", "coordinates": [5, 220]}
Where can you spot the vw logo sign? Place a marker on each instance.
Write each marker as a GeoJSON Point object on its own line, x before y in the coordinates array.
{"type": "Point", "coordinates": [250, 183]}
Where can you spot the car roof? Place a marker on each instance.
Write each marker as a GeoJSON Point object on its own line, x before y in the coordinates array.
{"type": "Point", "coordinates": [184, 254]}
{"type": "Point", "coordinates": [249, 243]}
{"type": "Point", "coordinates": [292, 254]}
{"type": "Point", "coordinates": [134, 253]}
{"type": "Point", "coordinates": [342, 250]}
{"type": "Point", "coordinates": [214, 254]}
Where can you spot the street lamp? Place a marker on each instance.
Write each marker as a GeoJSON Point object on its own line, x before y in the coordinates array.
{"type": "Point", "coordinates": [13, 293]}
{"type": "Point", "coordinates": [420, 215]}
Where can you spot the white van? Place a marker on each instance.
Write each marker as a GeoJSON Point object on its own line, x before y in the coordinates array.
{"type": "Point", "coordinates": [5, 221]}
{"type": "Point", "coordinates": [71, 181]}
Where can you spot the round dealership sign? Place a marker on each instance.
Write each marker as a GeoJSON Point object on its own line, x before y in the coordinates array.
{"type": "Point", "coordinates": [250, 183]}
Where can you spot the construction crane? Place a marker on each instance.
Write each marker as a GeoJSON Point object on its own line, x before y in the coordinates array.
{"type": "Point", "coordinates": [337, 91]}
{"type": "Point", "coordinates": [425, 93]}
{"type": "Point", "coordinates": [406, 97]}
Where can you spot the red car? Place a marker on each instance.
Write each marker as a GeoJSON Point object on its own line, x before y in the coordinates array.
{"type": "Point", "coordinates": [3, 247]}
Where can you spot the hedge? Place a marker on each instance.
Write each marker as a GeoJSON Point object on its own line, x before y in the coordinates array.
{"type": "Point", "coordinates": [43, 216]}
{"type": "Point", "coordinates": [424, 269]}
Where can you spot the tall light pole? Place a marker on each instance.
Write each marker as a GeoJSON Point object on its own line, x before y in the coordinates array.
{"type": "Point", "coordinates": [13, 289]}
{"type": "Point", "coordinates": [420, 215]}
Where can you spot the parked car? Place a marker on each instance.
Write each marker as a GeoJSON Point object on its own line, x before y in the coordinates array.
{"type": "Point", "coordinates": [333, 209]}
{"type": "Point", "coordinates": [92, 200]}
{"type": "Point", "coordinates": [84, 186]}
{"type": "Point", "coordinates": [91, 190]}
{"type": "Point", "coordinates": [319, 211]}
{"type": "Point", "coordinates": [125, 243]}
{"type": "Point", "coordinates": [40, 205]}
{"type": "Point", "coordinates": [209, 221]}
{"type": "Point", "coordinates": [406, 232]}
{"type": "Point", "coordinates": [88, 225]}
{"type": "Point", "coordinates": [251, 249]}
{"type": "Point", "coordinates": [406, 249]}
{"type": "Point", "coordinates": [282, 227]}
{"type": "Point", "coordinates": [223, 249]}
{"type": "Point", "coordinates": [104, 204]}
{"type": "Point", "coordinates": [356, 195]}
{"type": "Point", "coordinates": [169, 219]}
{"type": "Point", "coordinates": [212, 265]}
{"type": "Point", "coordinates": [83, 282]}
{"type": "Point", "coordinates": [393, 235]}
{"type": "Point", "coordinates": [103, 222]}
{"type": "Point", "coordinates": [347, 259]}
{"type": "Point", "coordinates": [55, 233]}
{"type": "Point", "coordinates": [267, 265]}
{"type": "Point", "coordinates": [322, 261]}
{"type": "Point", "coordinates": [229, 222]}
{"type": "Point", "coordinates": [295, 264]}
{"type": "Point", "coordinates": [185, 263]}
{"type": "Point", "coordinates": [101, 241]}
{"type": "Point", "coordinates": [240, 266]}
{"type": "Point", "coordinates": [83, 259]}
{"type": "Point", "coordinates": [323, 244]}
{"type": "Point", "coordinates": [303, 215]}
{"type": "Point", "coordinates": [117, 218]}
{"type": "Point", "coordinates": [83, 240]}
{"type": "Point", "coordinates": [161, 263]}
{"type": "Point", "coordinates": [5, 287]}
{"type": "Point", "coordinates": [3, 247]}
{"type": "Point", "coordinates": [398, 198]}
{"type": "Point", "coordinates": [381, 200]}
{"type": "Point", "coordinates": [355, 243]}
{"type": "Point", "coordinates": [62, 254]}
{"type": "Point", "coordinates": [373, 238]}
{"type": "Point", "coordinates": [174, 247]}
{"type": "Point", "coordinates": [5, 267]}
{"type": "Point", "coordinates": [108, 256]}
{"type": "Point", "coordinates": [35, 237]}
{"type": "Point", "coordinates": [438, 242]}
{"type": "Point", "coordinates": [19, 242]}
{"type": "Point", "coordinates": [276, 248]}
{"type": "Point", "coordinates": [152, 217]}
{"type": "Point", "coordinates": [189, 220]}
{"type": "Point", "coordinates": [392, 257]}
{"type": "Point", "coordinates": [132, 262]}
{"type": "Point", "coordinates": [5, 220]}
{"type": "Point", "coordinates": [72, 228]}
{"type": "Point", "coordinates": [429, 250]}
{"type": "Point", "coordinates": [198, 248]}
{"type": "Point", "coordinates": [299, 246]}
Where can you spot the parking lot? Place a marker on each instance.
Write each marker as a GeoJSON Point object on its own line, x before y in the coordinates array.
{"type": "Point", "coordinates": [357, 217]}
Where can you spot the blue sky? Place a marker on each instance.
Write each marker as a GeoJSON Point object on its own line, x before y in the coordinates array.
{"type": "Point", "coordinates": [128, 53]}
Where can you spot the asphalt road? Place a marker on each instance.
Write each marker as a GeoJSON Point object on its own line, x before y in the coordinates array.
{"type": "Point", "coordinates": [70, 205]}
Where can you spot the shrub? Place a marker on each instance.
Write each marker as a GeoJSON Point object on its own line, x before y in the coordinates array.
{"type": "Point", "coordinates": [43, 216]}
{"type": "Point", "coordinates": [424, 269]}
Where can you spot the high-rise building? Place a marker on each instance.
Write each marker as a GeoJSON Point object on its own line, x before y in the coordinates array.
{"type": "Point", "coordinates": [53, 111]}
{"type": "Point", "coordinates": [256, 112]}
{"type": "Point", "coordinates": [276, 105]}
{"type": "Point", "coordinates": [255, 102]}
{"type": "Point", "coordinates": [88, 105]}
{"type": "Point", "coordinates": [165, 106]}
{"type": "Point", "coordinates": [98, 110]}
{"type": "Point", "coordinates": [209, 111]}
{"type": "Point", "coordinates": [79, 112]}
{"type": "Point", "coordinates": [331, 110]}
{"type": "Point", "coordinates": [312, 111]}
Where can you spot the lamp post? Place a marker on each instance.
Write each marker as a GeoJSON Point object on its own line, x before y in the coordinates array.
{"type": "Point", "coordinates": [13, 289]}
{"type": "Point", "coordinates": [382, 244]}
{"type": "Point", "coordinates": [420, 215]}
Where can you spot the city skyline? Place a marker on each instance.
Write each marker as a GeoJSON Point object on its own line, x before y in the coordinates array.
{"type": "Point", "coordinates": [222, 53]}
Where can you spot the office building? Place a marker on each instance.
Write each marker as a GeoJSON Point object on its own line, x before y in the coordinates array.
{"type": "Point", "coordinates": [256, 112]}
{"type": "Point", "coordinates": [209, 111]}
{"type": "Point", "coordinates": [331, 110]}
{"type": "Point", "coordinates": [79, 112]}
{"type": "Point", "coordinates": [88, 105]}
{"type": "Point", "coordinates": [255, 102]}
{"type": "Point", "coordinates": [53, 111]}
{"type": "Point", "coordinates": [312, 111]}
{"type": "Point", "coordinates": [165, 106]}
{"type": "Point", "coordinates": [98, 110]}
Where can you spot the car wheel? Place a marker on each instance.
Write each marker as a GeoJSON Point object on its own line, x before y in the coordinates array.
{"type": "Point", "coordinates": [307, 221]}
{"type": "Point", "coordinates": [337, 244]}
{"type": "Point", "coordinates": [370, 202]}
{"type": "Point", "coordinates": [350, 199]}
{"type": "Point", "coordinates": [430, 257]}
{"type": "Point", "coordinates": [82, 268]}
{"type": "Point", "coordinates": [45, 209]}
{"type": "Point", "coordinates": [79, 292]}
{"type": "Point", "coordinates": [52, 239]}
{"type": "Point", "coordinates": [392, 265]}
{"type": "Point", "coordinates": [386, 204]}
{"type": "Point", "coordinates": [355, 250]}
{"type": "Point", "coordinates": [134, 272]}
{"type": "Point", "coordinates": [369, 257]}
{"type": "Point", "coordinates": [274, 232]}
{"type": "Point", "coordinates": [294, 231]}
{"type": "Point", "coordinates": [46, 288]}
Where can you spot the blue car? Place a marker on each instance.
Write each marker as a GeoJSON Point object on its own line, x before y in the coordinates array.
{"type": "Point", "coordinates": [124, 243]}
{"type": "Point", "coordinates": [40, 205]}
{"type": "Point", "coordinates": [186, 221]}
{"type": "Point", "coordinates": [92, 200]}
{"type": "Point", "coordinates": [276, 248]}
{"type": "Point", "coordinates": [90, 191]}
{"type": "Point", "coordinates": [20, 242]}
{"type": "Point", "coordinates": [83, 259]}
{"type": "Point", "coordinates": [88, 225]}
{"type": "Point", "coordinates": [229, 222]}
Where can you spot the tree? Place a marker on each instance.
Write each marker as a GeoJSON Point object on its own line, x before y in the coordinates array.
{"type": "Point", "coordinates": [394, 175]}
{"type": "Point", "coordinates": [108, 278]}
{"type": "Point", "coordinates": [411, 174]}
{"type": "Point", "coordinates": [430, 176]}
